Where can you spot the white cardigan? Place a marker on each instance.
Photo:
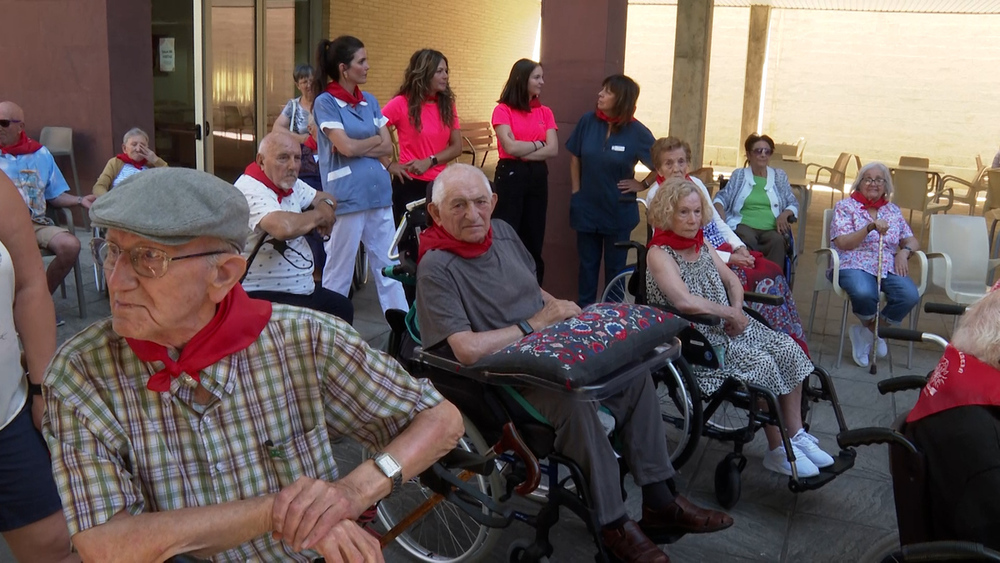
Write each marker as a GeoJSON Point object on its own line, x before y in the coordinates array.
{"type": "Point", "coordinates": [732, 238]}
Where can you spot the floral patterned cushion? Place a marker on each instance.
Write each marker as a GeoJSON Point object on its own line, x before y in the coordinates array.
{"type": "Point", "coordinates": [581, 350]}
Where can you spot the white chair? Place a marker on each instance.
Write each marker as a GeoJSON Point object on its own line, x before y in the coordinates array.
{"type": "Point", "coordinates": [65, 216]}
{"type": "Point", "coordinates": [825, 284]}
{"type": "Point", "coordinates": [59, 141]}
{"type": "Point", "coordinates": [958, 254]}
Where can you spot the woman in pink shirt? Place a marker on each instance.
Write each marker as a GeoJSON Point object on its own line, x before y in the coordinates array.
{"type": "Point", "coordinates": [423, 114]}
{"type": "Point", "coordinates": [526, 131]}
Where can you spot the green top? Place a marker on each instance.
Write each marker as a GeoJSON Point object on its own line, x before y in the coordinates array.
{"type": "Point", "coordinates": [756, 212]}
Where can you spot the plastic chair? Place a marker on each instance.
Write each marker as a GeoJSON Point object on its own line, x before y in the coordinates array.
{"type": "Point", "coordinates": [59, 141]}
{"type": "Point", "coordinates": [958, 254]}
{"type": "Point", "coordinates": [972, 189]}
{"type": "Point", "coordinates": [833, 284]}
{"type": "Point", "coordinates": [836, 176]}
{"type": "Point", "coordinates": [991, 207]}
{"type": "Point", "coordinates": [64, 215]}
{"type": "Point", "coordinates": [910, 192]}
{"type": "Point", "coordinates": [915, 161]}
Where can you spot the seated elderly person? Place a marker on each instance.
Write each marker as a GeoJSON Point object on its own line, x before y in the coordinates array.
{"type": "Point", "coordinates": [135, 157]}
{"type": "Point", "coordinates": [858, 222]}
{"type": "Point", "coordinates": [198, 420]}
{"type": "Point", "coordinates": [283, 212]}
{"type": "Point", "coordinates": [477, 293]}
{"type": "Point", "coordinates": [33, 170]}
{"type": "Point", "coordinates": [956, 424]}
{"type": "Point", "coordinates": [689, 275]}
{"type": "Point", "coordinates": [672, 157]}
{"type": "Point", "coordinates": [758, 201]}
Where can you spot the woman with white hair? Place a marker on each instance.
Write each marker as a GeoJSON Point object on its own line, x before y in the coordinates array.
{"type": "Point", "coordinates": [854, 234]}
{"type": "Point", "coordinates": [135, 157]}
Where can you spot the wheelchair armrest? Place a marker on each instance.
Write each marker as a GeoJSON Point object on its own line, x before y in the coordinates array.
{"type": "Point", "coordinates": [464, 495]}
{"type": "Point", "coordinates": [872, 436]}
{"type": "Point", "coordinates": [902, 383]}
{"type": "Point", "coordinates": [943, 551]}
{"type": "Point", "coordinates": [698, 319]}
{"type": "Point", "coordinates": [910, 335]}
{"type": "Point", "coordinates": [945, 308]}
{"type": "Point", "coordinates": [763, 298]}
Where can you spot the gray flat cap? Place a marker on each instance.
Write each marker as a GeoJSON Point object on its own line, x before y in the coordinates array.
{"type": "Point", "coordinates": [174, 206]}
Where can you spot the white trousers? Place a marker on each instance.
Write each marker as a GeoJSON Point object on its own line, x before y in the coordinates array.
{"type": "Point", "coordinates": [374, 228]}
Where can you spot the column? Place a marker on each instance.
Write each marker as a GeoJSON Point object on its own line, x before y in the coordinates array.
{"type": "Point", "coordinates": [760, 17]}
{"type": "Point", "coordinates": [692, 53]}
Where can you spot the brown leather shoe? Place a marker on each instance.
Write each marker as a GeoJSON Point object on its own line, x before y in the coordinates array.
{"type": "Point", "coordinates": [683, 517]}
{"type": "Point", "coordinates": [629, 545]}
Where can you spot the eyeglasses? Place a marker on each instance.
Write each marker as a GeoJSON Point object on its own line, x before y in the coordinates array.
{"type": "Point", "coordinates": [763, 151]}
{"type": "Point", "coordinates": [147, 262]}
{"type": "Point", "coordinates": [298, 260]}
{"type": "Point", "coordinates": [876, 181]}
{"type": "Point", "coordinates": [6, 122]}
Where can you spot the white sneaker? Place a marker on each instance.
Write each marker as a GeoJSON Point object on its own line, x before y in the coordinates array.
{"type": "Point", "coordinates": [809, 445]}
{"type": "Point", "coordinates": [861, 344]}
{"type": "Point", "coordinates": [882, 349]}
{"type": "Point", "coordinates": [775, 460]}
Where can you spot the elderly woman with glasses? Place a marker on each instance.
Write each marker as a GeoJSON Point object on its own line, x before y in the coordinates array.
{"type": "Point", "coordinates": [757, 203]}
{"type": "Point", "coordinates": [858, 222]}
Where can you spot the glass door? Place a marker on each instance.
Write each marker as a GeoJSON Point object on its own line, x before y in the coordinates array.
{"type": "Point", "coordinates": [232, 33]}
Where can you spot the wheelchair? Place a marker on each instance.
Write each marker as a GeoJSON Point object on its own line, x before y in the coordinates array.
{"type": "Point", "coordinates": [737, 410]}
{"type": "Point", "coordinates": [917, 539]}
{"type": "Point", "coordinates": [454, 511]}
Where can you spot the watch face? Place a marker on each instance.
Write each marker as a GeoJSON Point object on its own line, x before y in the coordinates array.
{"type": "Point", "coordinates": [387, 464]}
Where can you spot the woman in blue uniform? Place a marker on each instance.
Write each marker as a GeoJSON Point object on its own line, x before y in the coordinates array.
{"type": "Point", "coordinates": [605, 147]}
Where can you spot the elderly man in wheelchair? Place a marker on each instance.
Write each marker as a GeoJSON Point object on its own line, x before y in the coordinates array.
{"type": "Point", "coordinates": [477, 294]}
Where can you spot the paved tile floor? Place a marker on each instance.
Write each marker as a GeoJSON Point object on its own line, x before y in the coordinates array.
{"type": "Point", "coordinates": [839, 522]}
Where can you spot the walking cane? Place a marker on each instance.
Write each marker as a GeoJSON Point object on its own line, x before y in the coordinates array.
{"type": "Point", "coordinates": [873, 358]}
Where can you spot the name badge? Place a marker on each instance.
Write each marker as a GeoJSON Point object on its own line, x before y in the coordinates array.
{"type": "Point", "coordinates": [618, 148]}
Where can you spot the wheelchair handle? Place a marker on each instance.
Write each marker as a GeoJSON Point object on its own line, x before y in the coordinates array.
{"type": "Point", "coordinates": [510, 440]}
{"type": "Point", "coordinates": [911, 335]}
{"type": "Point", "coordinates": [943, 551]}
{"type": "Point", "coordinates": [902, 383]}
{"type": "Point", "coordinates": [763, 298]}
{"type": "Point", "coordinates": [945, 308]}
{"type": "Point", "coordinates": [872, 436]}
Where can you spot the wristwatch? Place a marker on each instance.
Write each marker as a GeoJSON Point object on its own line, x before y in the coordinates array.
{"type": "Point", "coordinates": [391, 468]}
{"type": "Point", "coordinates": [908, 250]}
{"type": "Point", "coordinates": [330, 202]}
{"type": "Point", "coordinates": [434, 160]}
{"type": "Point", "coordinates": [525, 327]}
{"type": "Point", "coordinates": [34, 389]}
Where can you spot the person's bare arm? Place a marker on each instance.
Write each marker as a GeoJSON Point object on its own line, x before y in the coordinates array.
{"type": "Point", "coordinates": [352, 148]}
{"type": "Point", "coordinates": [157, 536]}
{"type": "Point", "coordinates": [454, 148]}
{"type": "Point", "coordinates": [66, 200]}
{"type": "Point", "coordinates": [512, 146]}
{"type": "Point", "coordinates": [282, 124]}
{"type": "Point", "coordinates": [34, 313]}
{"type": "Point", "coordinates": [852, 240]}
{"type": "Point", "coordinates": [384, 147]}
{"type": "Point", "coordinates": [469, 347]}
{"type": "Point", "coordinates": [574, 173]}
{"type": "Point", "coordinates": [668, 279]}
{"type": "Point", "coordinates": [284, 225]}
{"type": "Point", "coordinates": [550, 150]}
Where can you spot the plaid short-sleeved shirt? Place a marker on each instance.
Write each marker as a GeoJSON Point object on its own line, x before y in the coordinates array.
{"type": "Point", "coordinates": [307, 379]}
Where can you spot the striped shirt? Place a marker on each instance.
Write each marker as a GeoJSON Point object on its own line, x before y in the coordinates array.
{"type": "Point", "coordinates": [118, 446]}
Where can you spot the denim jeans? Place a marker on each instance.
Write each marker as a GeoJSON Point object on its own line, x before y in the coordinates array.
{"type": "Point", "coordinates": [900, 293]}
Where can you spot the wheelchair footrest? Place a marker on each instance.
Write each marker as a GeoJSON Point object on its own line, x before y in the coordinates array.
{"type": "Point", "coordinates": [841, 463]}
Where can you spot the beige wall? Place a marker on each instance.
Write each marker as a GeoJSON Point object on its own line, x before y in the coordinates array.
{"type": "Point", "coordinates": [877, 84]}
{"type": "Point", "coordinates": [481, 40]}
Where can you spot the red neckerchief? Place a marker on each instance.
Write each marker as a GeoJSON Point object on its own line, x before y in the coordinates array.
{"type": "Point", "coordinates": [534, 103]}
{"type": "Point", "coordinates": [311, 143]}
{"type": "Point", "coordinates": [661, 179]}
{"type": "Point", "coordinates": [127, 160]}
{"type": "Point", "coordinates": [337, 91]}
{"type": "Point", "coordinates": [867, 203]}
{"type": "Point", "coordinates": [257, 173]}
{"type": "Point", "coordinates": [237, 323]}
{"type": "Point", "coordinates": [24, 145]}
{"type": "Point", "coordinates": [605, 117]}
{"type": "Point", "coordinates": [677, 242]}
{"type": "Point", "coordinates": [436, 238]}
{"type": "Point", "coordinates": [959, 380]}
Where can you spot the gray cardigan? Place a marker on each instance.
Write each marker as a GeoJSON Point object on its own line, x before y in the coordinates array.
{"type": "Point", "coordinates": [778, 190]}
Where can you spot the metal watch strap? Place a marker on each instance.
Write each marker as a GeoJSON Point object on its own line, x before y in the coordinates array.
{"type": "Point", "coordinates": [397, 476]}
{"type": "Point", "coordinates": [525, 327]}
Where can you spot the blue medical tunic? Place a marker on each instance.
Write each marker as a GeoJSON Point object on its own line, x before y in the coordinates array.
{"type": "Point", "coordinates": [358, 183]}
{"type": "Point", "coordinates": [599, 207]}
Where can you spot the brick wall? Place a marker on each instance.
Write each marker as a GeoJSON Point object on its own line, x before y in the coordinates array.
{"type": "Point", "coordinates": [480, 39]}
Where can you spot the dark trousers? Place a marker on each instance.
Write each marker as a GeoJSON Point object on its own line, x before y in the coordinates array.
{"type": "Point", "coordinates": [769, 243]}
{"type": "Point", "coordinates": [522, 189]}
{"type": "Point", "coordinates": [406, 191]}
{"type": "Point", "coordinates": [591, 246]}
{"type": "Point", "coordinates": [322, 299]}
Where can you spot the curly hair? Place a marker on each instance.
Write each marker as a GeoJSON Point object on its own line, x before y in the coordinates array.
{"type": "Point", "coordinates": [977, 333]}
{"type": "Point", "coordinates": [665, 145]}
{"type": "Point", "coordinates": [664, 203]}
{"type": "Point", "coordinates": [416, 87]}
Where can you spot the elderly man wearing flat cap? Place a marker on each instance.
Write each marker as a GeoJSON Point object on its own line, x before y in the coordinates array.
{"type": "Point", "coordinates": [198, 420]}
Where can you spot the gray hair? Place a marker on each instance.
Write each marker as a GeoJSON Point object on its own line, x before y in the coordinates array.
{"type": "Point", "coordinates": [134, 132]}
{"type": "Point", "coordinates": [978, 330]}
{"type": "Point", "coordinates": [456, 173]}
{"type": "Point", "coordinates": [882, 169]}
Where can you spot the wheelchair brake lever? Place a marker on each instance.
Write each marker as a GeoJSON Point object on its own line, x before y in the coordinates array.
{"type": "Point", "coordinates": [511, 440]}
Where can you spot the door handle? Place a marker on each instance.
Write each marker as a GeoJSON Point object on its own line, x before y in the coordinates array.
{"type": "Point", "coordinates": [197, 131]}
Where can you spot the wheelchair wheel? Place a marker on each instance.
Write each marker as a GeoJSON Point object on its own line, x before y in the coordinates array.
{"type": "Point", "coordinates": [727, 480]}
{"type": "Point", "coordinates": [616, 291]}
{"type": "Point", "coordinates": [445, 534]}
{"type": "Point", "coordinates": [360, 268]}
{"type": "Point", "coordinates": [727, 419]}
{"type": "Point", "coordinates": [681, 409]}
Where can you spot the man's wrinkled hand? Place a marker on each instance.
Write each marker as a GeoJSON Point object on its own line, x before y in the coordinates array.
{"type": "Point", "coordinates": [305, 512]}
{"type": "Point", "coordinates": [554, 311]}
{"type": "Point", "coordinates": [346, 542]}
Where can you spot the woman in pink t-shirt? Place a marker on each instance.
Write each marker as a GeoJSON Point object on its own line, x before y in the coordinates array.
{"type": "Point", "coordinates": [423, 114]}
{"type": "Point", "coordinates": [526, 131]}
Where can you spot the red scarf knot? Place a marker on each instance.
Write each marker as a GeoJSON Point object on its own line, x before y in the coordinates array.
{"type": "Point", "coordinates": [337, 91]}
{"type": "Point", "coordinates": [436, 238]}
{"type": "Point", "coordinates": [663, 237]}
{"type": "Point", "coordinates": [24, 145]}
{"type": "Point", "coordinates": [237, 323]}
{"type": "Point", "coordinates": [128, 160]}
{"type": "Point", "coordinates": [311, 143]}
{"type": "Point", "coordinates": [959, 380]}
{"type": "Point", "coordinates": [257, 173]}
{"type": "Point", "coordinates": [867, 203]}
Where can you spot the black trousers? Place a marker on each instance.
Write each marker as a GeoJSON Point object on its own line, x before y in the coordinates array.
{"type": "Point", "coordinates": [406, 191]}
{"type": "Point", "coordinates": [522, 189]}
{"type": "Point", "coordinates": [322, 299]}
